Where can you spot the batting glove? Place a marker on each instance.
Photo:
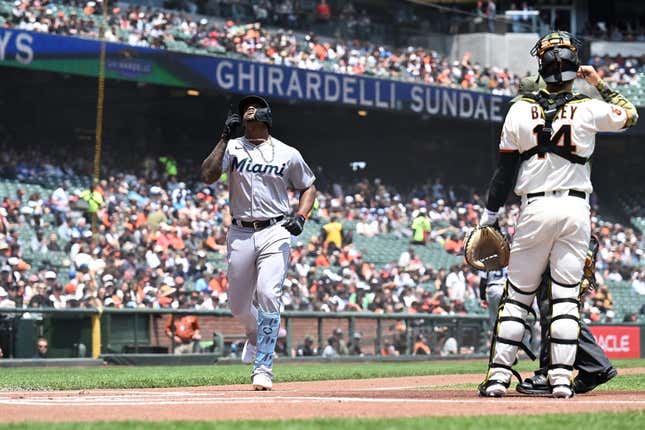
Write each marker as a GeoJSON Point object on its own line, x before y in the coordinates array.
{"type": "Point", "coordinates": [294, 224]}
{"type": "Point", "coordinates": [233, 121]}
{"type": "Point", "coordinates": [488, 218]}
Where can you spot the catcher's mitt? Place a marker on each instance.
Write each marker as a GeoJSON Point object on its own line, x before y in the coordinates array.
{"type": "Point", "coordinates": [589, 275]}
{"type": "Point", "coordinates": [486, 249]}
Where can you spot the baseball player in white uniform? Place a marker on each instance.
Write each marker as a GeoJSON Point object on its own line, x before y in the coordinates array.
{"type": "Point", "coordinates": [260, 169]}
{"type": "Point", "coordinates": [549, 136]}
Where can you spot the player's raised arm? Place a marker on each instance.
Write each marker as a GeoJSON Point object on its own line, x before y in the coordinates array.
{"type": "Point", "coordinates": [212, 165]}
{"type": "Point", "coordinates": [620, 113]}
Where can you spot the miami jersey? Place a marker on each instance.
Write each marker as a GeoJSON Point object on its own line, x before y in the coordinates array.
{"type": "Point", "coordinates": [259, 177]}
{"type": "Point", "coordinates": [574, 130]}
{"type": "Point", "coordinates": [496, 277]}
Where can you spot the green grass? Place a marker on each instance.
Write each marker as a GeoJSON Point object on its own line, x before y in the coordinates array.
{"type": "Point", "coordinates": [625, 383]}
{"type": "Point", "coordinates": [595, 421]}
{"type": "Point", "coordinates": [185, 376]}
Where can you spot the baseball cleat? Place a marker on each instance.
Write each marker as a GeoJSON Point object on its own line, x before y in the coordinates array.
{"type": "Point", "coordinates": [585, 382]}
{"type": "Point", "coordinates": [249, 352]}
{"type": "Point", "coordinates": [262, 382]}
{"type": "Point", "coordinates": [562, 391]}
{"type": "Point", "coordinates": [492, 388]}
{"type": "Point", "coordinates": [537, 384]}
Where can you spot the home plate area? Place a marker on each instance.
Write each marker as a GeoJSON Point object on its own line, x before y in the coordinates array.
{"type": "Point", "coordinates": [385, 397]}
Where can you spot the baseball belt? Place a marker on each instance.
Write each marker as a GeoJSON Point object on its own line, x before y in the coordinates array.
{"type": "Point", "coordinates": [258, 225]}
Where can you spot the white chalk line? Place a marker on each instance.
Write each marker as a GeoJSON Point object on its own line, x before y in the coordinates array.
{"type": "Point", "coordinates": [409, 387]}
{"type": "Point", "coordinates": [107, 402]}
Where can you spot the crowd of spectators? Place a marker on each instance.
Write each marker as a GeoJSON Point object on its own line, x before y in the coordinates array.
{"type": "Point", "coordinates": [619, 70]}
{"type": "Point", "coordinates": [165, 29]}
{"type": "Point", "coordinates": [352, 54]}
{"type": "Point", "coordinates": [616, 31]}
{"type": "Point", "coordinates": [160, 242]}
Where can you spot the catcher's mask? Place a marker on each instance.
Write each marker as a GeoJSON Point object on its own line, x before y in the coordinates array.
{"type": "Point", "coordinates": [557, 55]}
{"type": "Point", "coordinates": [262, 113]}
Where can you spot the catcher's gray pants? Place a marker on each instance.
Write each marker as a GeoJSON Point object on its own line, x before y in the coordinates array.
{"type": "Point", "coordinates": [590, 357]}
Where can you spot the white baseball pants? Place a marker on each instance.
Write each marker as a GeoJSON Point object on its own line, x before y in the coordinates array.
{"type": "Point", "coordinates": [257, 265]}
{"type": "Point", "coordinates": [552, 230]}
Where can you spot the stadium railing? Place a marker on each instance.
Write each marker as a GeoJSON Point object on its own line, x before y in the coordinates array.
{"type": "Point", "coordinates": [132, 331]}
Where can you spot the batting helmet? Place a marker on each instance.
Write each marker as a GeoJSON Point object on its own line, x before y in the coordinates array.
{"type": "Point", "coordinates": [262, 114]}
{"type": "Point", "coordinates": [557, 55]}
{"type": "Point", "coordinates": [529, 85]}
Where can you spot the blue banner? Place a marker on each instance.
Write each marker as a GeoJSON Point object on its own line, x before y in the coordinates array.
{"type": "Point", "coordinates": [57, 53]}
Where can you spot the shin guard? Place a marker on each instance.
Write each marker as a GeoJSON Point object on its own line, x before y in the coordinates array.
{"type": "Point", "coordinates": [268, 328]}
{"type": "Point", "coordinates": [508, 334]}
{"type": "Point", "coordinates": [563, 332]}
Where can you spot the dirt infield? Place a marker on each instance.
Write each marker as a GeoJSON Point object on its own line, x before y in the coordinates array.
{"type": "Point", "coordinates": [386, 397]}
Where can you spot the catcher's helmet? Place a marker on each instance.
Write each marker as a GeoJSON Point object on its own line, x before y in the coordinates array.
{"type": "Point", "coordinates": [557, 55]}
{"type": "Point", "coordinates": [262, 113]}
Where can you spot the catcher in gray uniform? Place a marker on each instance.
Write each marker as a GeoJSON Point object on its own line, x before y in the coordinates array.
{"type": "Point", "coordinates": [261, 169]}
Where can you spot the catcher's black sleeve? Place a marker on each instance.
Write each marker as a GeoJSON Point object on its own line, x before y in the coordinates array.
{"type": "Point", "coordinates": [503, 179]}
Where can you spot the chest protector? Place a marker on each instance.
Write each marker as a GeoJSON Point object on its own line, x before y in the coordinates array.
{"type": "Point", "coordinates": [551, 104]}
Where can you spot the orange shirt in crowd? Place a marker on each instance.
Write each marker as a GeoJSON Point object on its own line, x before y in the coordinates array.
{"type": "Point", "coordinates": [105, 219]}
{"type": "Point", "coordinates": [141, 220]}
{"type": "Point", "coordinates": [219, 284]}
{"type": "Point", "coordinates": [322, 261]}
{"type": "Point", "coordinates": [176, 241]}
{"type": "Point", "coordinates": [320, 51]}
{"type": "Point", "coordinates": [420, 346]}
{"type": "Point", "coordinates": [185, 327]}
{"type": "Point", "coordinates": [211, 243]}
{"type": "Point", "coordinates": [453, 246]}
{"type": "Point", "coordinates": [163, 240]}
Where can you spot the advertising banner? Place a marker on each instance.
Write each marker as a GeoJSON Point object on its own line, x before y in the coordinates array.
{"type": "Point", "coordinates": [19, 48]}
{"type": "Point", "coordinates": [618, 341]}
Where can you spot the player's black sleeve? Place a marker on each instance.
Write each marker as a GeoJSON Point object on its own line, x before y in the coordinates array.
{"type": "Point", "coordinates": [503, 179]}
{"type": "Point", "coordinates": [483, 282]}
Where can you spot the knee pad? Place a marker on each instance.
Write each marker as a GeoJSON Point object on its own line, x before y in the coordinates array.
{"type": "Point", "coordinates": [268, 329]}
{"type": "Point", "coordinates": [564, 328]}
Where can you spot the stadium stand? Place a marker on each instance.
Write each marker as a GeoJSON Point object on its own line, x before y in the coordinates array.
{"type": "Point", "coordinates": [166, 239]}
{"type": "Point", "coordinates": [246, 37]}
{"type": "Point", "coordinates": [201, 35]}
{"type": "Point", "coordinates": [160, 237]}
